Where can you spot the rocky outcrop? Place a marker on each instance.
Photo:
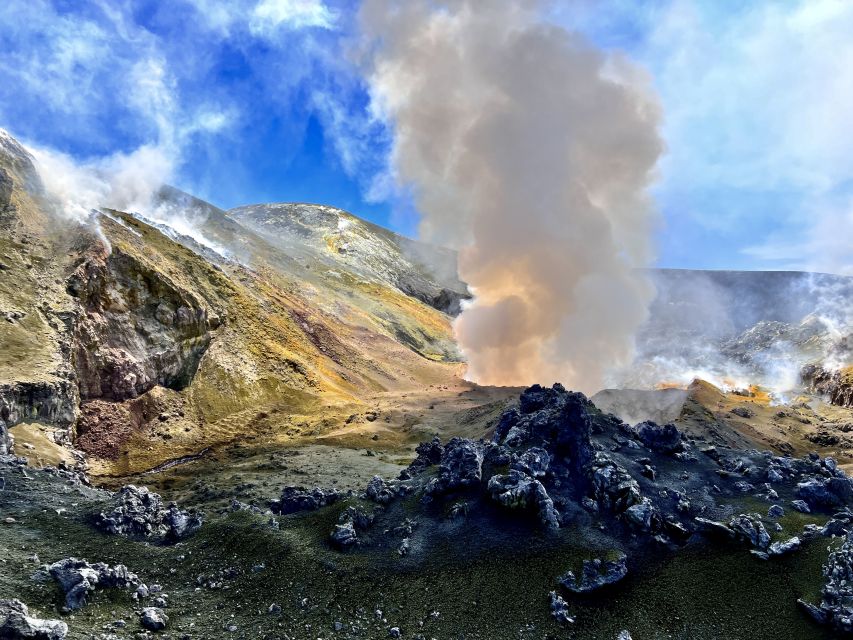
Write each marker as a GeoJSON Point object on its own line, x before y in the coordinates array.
{"type": "Point", "coordinates": [556, 420]}
{"type": "Point", "coordinates": [560, 609]}
{"type": "Point", "coordinates": [140, 513]}
{"type": "Point", "coordinates": [613, 488]}
{"type": "Point", "coordinates": [351, 521]}
{"type": "Point", "coordinates": [52, 402]}
{"type": "Point", "coordinates": [78, 579]}
{"type": "Point", "coordinates": [836, 385]}
{"type": "Point", "coordinates": [6, 186]}
{"type": "Point", "coordinates": [17, 624]}
{"type": "Point", "coordinates": [744, 528]}
{"type": "Point", "coordinates": [379, 491]}
{"type": "Point", "coordinates": [826, 492]}
{"type": "Point", "coordinates": [153, 618]}
{"type": "Point", "coordinates": [518, 490]}
{"type": "Point", "coordinates": [136, 329]}
{"type": "Point", "coordinates": [836, 605]}
{"type": "Point", "coordinates": [461, 466]}
{"type": "Point", "coordinates": [666, 438]}
{"type": "Point", "coordinates": [294, 499]}
{"type": "Point", "coordinates": [596, 574]}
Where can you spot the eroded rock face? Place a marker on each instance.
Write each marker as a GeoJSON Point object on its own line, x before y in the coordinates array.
{"type": "Point", "coordinates": [51, 402]}
{"type": "Point", "coordinates": [141, 513]}
{"type": "Point", "coordinates": [836, 385]}
{"type": "Point", "coordinates": [16, 623]}
{"type": "Point", "coordinates": [136, 329]}
{"type": "Point", "coordinates": [6, 186]}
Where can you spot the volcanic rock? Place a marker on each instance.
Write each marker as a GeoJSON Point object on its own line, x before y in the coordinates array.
{"type": "Point", "coordinates": [351, 521]}
{"type": "Point", "coordinates": [666, 438]}
{"type": "Point", "coordinates": [77, 579]}
{"type": "Point", "coordinates": [461, 467]}
{"type": "Point", "coordinates": [294, 499]}
{"type": "Point", "coordinates": [518, 490]}
{"type": "Point", "coordinates": [749, 527]}
{"type": "Point", "coordinates": [783, 548]}
{"type": "Point", "coordinates": [16, 623]}
{"type": "Point", "coordinates": [344, 535]}
{"type": "Point", "coordinates": [836, 605]}
{"type": "Point", "coordinates": [640, 515]}
{"type": "Point", "coordinates": [560, 609]}
{"type": "Point", "coordinates": [379, 491]}
{"type": "Point", "coordinates": [826, 492]}
{"type": "Point", "coordinates": [801, 506]}
{"type": "Point", "coordinates": [613, 487]}
{"type": "Point", "coordinates": [596, 574]}
{"type": "Point", "coordinates": [556, 420]}
{"type": "Point", "coordinates": [140, 513]}
{"type": "Point", "coordinates": [154, 619]}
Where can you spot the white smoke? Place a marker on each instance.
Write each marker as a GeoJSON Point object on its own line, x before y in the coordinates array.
{"type": "Point", "coordinates": [126, 182]}
{"type": "Point", "coordinates": [530, 151]}
{"type": "Point", "coordinates": [79, 189]}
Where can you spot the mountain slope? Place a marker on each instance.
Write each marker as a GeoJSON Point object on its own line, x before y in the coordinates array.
{"type": "Point", "coordinates": [185, 330]}
{"type": "Point", "coordinates": [339, 239]}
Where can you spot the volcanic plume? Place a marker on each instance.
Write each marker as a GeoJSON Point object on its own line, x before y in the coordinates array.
{"type": "Point", "coordinates": [531, 151]}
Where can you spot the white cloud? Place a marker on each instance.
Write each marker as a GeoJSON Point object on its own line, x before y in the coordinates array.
{"type": "Point", "coordinates": [270, 15]}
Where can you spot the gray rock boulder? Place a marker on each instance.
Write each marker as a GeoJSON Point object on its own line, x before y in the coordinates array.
{"type": "Point", "coordinates": [784, 548]}
{"type": "Point", "coordinates": [775, 511]}
{"type": "Point", "coordinates": [640, 515]}
{"type": "Point", "coordinates": [665, 439]}
{"type": "Point", "coordinates": [295, 499]}
{"type": "Point", "coordinates": [801, 506]}
{"type": "Point", "coordinates": [78, 579]}
{"type": "Point", "coordinates": [461, 467]}
{"type": "Point", "coordinates": [517, 490]}
{"type": "Point", "coordinates": [16, 623]}
{"type": "Point", "coordinates": [350, 522]}
{"type": "Point", "coordinates": [154, 618]}
{"type": "Point", "coordinates": [826, 492]}
{"type": "Point", "coordinates": [749, 527]}
{"type": "Point", "coordinates": [560, 609]}
{"type": "Point", "coordinates": [613, 488]}
{"type": "Point", "coordinates": [344, 535]}
{"type": "Point", "coordinates": [141, 513]}
{"type": "Point", "coordinates": [596, 574]}
{"type": "Point", "coordinates": [379, 491]}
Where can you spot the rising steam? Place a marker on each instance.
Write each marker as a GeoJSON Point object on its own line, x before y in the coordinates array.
{"type": "Point", "coordinates": [530, 151]}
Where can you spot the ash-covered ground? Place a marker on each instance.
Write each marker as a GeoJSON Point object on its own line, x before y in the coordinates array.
{"type": "Point", "coordinates": [565, 522]}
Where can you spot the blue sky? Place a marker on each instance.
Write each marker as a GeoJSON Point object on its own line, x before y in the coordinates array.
{"type": "Point", "coordinates": [259, 101]}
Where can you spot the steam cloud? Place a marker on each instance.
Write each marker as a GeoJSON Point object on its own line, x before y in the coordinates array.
{"type": "Point", "coordinates": [530, 151]}
{"type": "Point", "coordinates": [128, 182]}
